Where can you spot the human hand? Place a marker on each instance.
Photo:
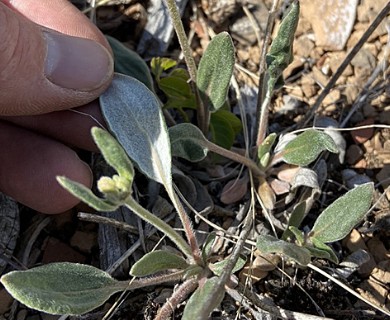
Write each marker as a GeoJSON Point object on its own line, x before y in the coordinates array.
{"type": "Point", "coordinates": [42, 71]}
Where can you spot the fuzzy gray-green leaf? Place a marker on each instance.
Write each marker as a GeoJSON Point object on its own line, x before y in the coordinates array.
{"type": "Point", "coordinates": [157, 261]}
{"type": "Point", "coordinates": [86, 195]}
{"type": "Point", "coordinates": [337, 220]}
{"type": "Point", "coordinates": [187, 142]}
{"type": "Point", "coordinates": [130, 63]}
{"type": "Point", "coordinates": [325, 250]}
{"type": "Point", "coordinates": [269, 244]}
{"type": "Point", "coordinates": [61, 288]}
{"type": "Point", "coordinates": [215, 71]}
{"type": "Point", "coordinates": [280, 54]}
{"type": "Point", "coordinates": [306, 147]}
{"type": "Point", "coordinates": [218, 267]}
{"type": "Point", "coordinates": [209, 292]}
{"type": "Point", "coordinates": [134, 115]}
{"type": "Point", "coordinates": [113, 153]}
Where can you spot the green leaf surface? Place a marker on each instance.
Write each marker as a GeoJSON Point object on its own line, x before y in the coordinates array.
{"type": "Point", "coordinates": [207, 293]}
{"type": "Point", "coordinates": [128, 62]}
{"type": "Point", "coordinates": [298, 234]}
{"type": "Point", "coordinates": [269, 244]}
{"type": "Point", "coordinates": [187, 142]}
{"type": "Point", "coordinates": [321, 248]}
{"type": "Point", "coordinates": [218, 267]}
{"type": "Point", "coordinates": [215, 71]}
{"type": "Point", "coordinates": [175, 87]}
{"type": "Point", "coordinates": [280, 54]}
{"type": "Point", "coordinates": [178, 90]}
{"type": "Point", "coordinates": [338, 219]}
{"type": "Point", "coordinates": [113, 153]}
{"type": "Point", "coordinates": [306, 147]}
{"type": "Point", "coordinates": [208, 246]}
{"type": "Point", "coordinates": [158, 65]}
{"type": "Point", "coordinates": [61, 288]}
{"type": "Point", "coordinates": [263, 153]}
{"type": "Point", "coordinates": [86, 195]}
{"type": "Point", "coordinates": [296, 219]}
{"type": "Point", "coordinates": [224, 127]}
{"type": "Point", "coordinates": [133, 114]}
{"type": "Point", "coordinates": [157, 261]}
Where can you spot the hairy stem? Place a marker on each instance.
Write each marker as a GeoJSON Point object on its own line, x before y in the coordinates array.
{"type": "Point", "coordinates": [263, 118]}
{"type": "Point", "coordinates": [160, 225]}
{"type": "Point", "coordinates": [187, 225]}
{"type": "Point", "coordinates": [202, 111]}
{"type": "Point", "coordinates": [234, 156]}
{"type": "Point", "coordinates": [264, 112]}
{"type": "Point", "coordinates": [184, 290]}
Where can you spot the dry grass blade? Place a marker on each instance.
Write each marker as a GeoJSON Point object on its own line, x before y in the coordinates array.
{"type": "Point", "coordinates": [345, 287]}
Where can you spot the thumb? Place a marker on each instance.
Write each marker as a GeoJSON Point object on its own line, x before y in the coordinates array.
{"type": "Point", "coordinates": [42, 70]}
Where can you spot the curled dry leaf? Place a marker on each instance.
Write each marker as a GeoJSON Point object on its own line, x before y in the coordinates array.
{"type": "Point", "coordinates": [234, 190]}
{"type": "Point", "coordinates": [266, 194]}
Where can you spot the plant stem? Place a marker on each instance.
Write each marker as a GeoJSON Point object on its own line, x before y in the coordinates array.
{"type": "Point", "coordinates": [234, 156]}
{"type": "Point", "coordinates": [263, 118]}
{"type": "Point", "coordinates": [180, 294]}
{"type": "Point", "coordinates": [202, 111]}
{"type": "Point", "coordinates": [160, 225]}
{"type": "Point", "coordinates": [264, 111]}
{"type": "Point", "coordinates": [187, 225]}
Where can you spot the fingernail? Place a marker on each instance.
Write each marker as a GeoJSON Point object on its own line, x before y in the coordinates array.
{"type": "Point", "coordinates": [76, 63]}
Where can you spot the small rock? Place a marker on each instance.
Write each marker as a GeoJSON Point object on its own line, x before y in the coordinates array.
{"type": "Point", "coordinates": [384, 116]}
{"type": "Point", "coordinates": [333, 97]}
{"type": "Point", "coordinates": [303, 46]}
{"type": "Point", "coordinates": [319, 77]}
{"type": "Point", "coordinates": [354, 153]}
{"type": "Point", "coordinates": [58, 251]}
{"type": "Point", "coordinates": [254, 274]}
{"type": "Point", "coordinates": [378, 250]}
{"type": "Point", "coordinates": [362, 135]}
{"type": "Point", "coordinates": [295, 91]}
{"type": "Point", "coordinates": [373, 291]}
{"type": "Point", "coordinates": [364, 59]}
{"type": "Point", "coordinates": [266, 261]}
{"type": "Point", "coordinates": [351, 92]}
{"type": "Point", "coordinates": [382, 271]}
{"type": "Point", "coordinates": [335, 59]}
{"type": "Point", "coordinates": [292, 67]}
{"type": "Point", "coordinates": [22, 314]}
{"type": "Point", "coordinates": [309, 87]}
{"type": "Point", "coordinates": [383, 176]}
{"type": "Point", "coordinates": [83, 241]}
{"type": "Point", "coordinates": [331, 20]}
{"type": "Point", "coordinates": [5, 301]}
{"type": "Point", "coordinates": [354, 241]}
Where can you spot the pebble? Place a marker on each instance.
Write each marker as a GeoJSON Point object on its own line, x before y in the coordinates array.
{"type": "Point", "coordinates": [332, 21]}
{"type": "Point", "coordinates": [351, 92]}
{"type": "Point", "coordinates": [363, 135]}
{"type": "Point", "coordinates": [303, 46]}
{"type": "Point", "coordinates": [333, 97]}
{"type": "Point", "coordinates": [378, 249]}
{"type": "Point", "coordinates": [354, 153]}
{"type": "Point", "coordinates": [5, 301]}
